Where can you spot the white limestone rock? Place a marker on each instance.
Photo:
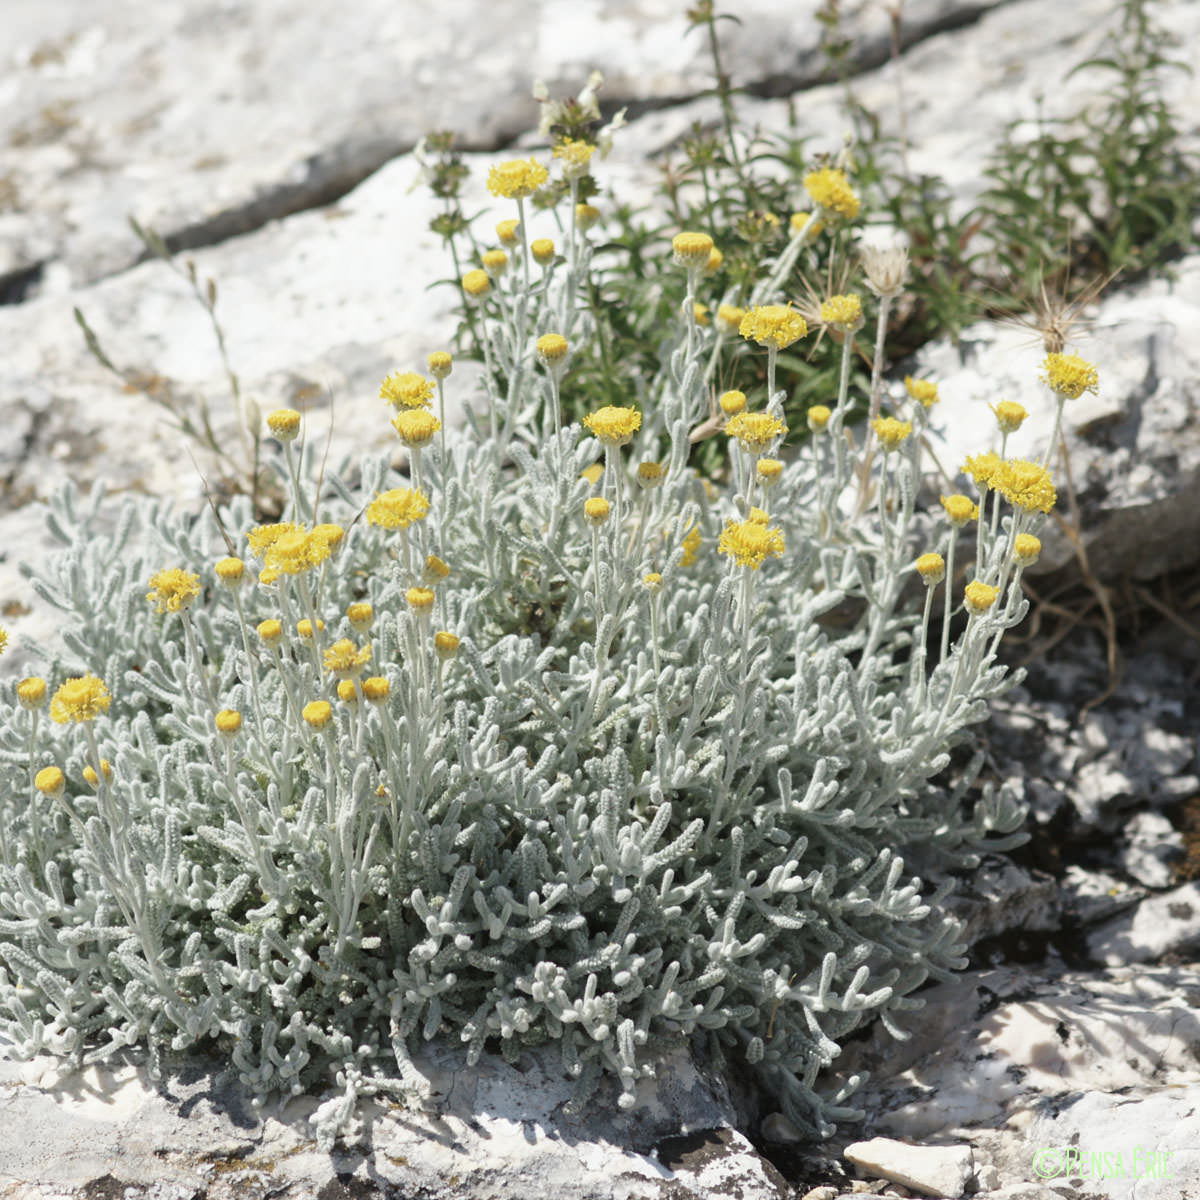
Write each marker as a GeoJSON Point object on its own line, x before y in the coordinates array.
{"type": "Point", "coordinates": [1167, 923]}
{"type": "Point", "coordinates": [931, 1170]}
{"type": "Point", "coordinates": [1152, 849]}
{"type": "Point", "coordinates": [999, 896]}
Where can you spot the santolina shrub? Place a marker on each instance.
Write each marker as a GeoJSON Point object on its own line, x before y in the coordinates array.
{"type": "Point", "coordinates": [548, 740]}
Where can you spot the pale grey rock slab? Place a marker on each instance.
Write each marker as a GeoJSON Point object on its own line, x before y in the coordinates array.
{"type": "Point", "coordinates": [1152, 849]}
{"type": "Point", "coordinates": [930, 1170]}
{"type": "Point", "coordinates": [205, 120]}
{"type": "Point", "coordinates": [999, 896]}
{"type": "Point", "coordinates": [496, 1129]}
{"type": "Point", "coordinates": [1090, 897]}
{"type": "Point", "coordinates": [1166, 923]}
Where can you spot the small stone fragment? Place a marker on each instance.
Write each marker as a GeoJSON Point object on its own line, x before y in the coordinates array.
{"type": "Point", "coordinates": [930, 1170]}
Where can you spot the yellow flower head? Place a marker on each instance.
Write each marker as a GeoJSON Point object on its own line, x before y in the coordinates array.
{"type": "Point", "coordinates": [652, 583]}
{"type": "Point", "coordinates": [756, 431]}
{"type": "Point", "coordinates": [31, 692]}
{"type": "Point", "coordinates": [440, 364]}
{"type": "Point", "coordinates": [50, 781]}
{"type": "Point", "coordinates": [691, 546]}
{"type": "Point", "coordinates": [494, 262]}
{"type": "Point", "coordinates": [1009, 415]}
{"type": "Point", "coordinates": [798, 223]}
{"type": "Point", "coordinates": [596, 510]}
{"type": "Point", "coordinates": [517, 178]}
{"type": "Point", "coordinates": [507, 231]}
{"type": "Point", "coordinates": [576, 157]}
{"type": "Point", "coordinates": [1025, 485]}
{"type": "Point", "coordinates": [818, 417]}
{"type": "Point", "coordinates": [614, 425]}
{"type": "Point", "coordinates": [592, 474]}
{"type": "Point", "coordinates": [716, 259]}
{"type": "Point", "coordinates": [692, 250]}
{"type": "Point", "coordinates": [416, 427]}
{"type": "Point", "coordinates": [750, 543]}
{"type": "Point", "coordinates": [1026, 549]}
{"type": "Point", "coordinates": [262, 537]}
{"type": "Point", "coordinates": [82, 698]}
{"type": "Point", "coordinates": [552, 348]}
{"type": "Point", "coordinates": [586, 215]}
{"type": "Point", "coordinates": [284, 424]}
{"type": "Point", "coordinates": [360, 614]}
{"type": "Point", "coordinates": [651, 474]}
{"type": "Point", "coordinates": [435, 569]}
{"type": "Point", "coordinates": [347, 693]}
{"type": "Point", "coordinates": [173, 589]}
{"type": "Point", "coordinates": [732, 403]}
{"type": "Point", "coordinates": [891, 432]}
{"type": "Point", "coordinates": [830, 189]}
{"type": "Point", "coordinates": [1069, 376]}
{"type": "Point", "coordinates": [445, 644]}
{"type": "Point", "coordinates": [376, 689]}
{"type": "Point", "coordinates": [931, 568]}
{"type": "Point", "coordinates": [773, 325]}
{"type": "Point", "coordinates": [700, 313]}
{"type": "Point", "coordinates": [983, 468]}
{"type": "Point", "coordinates": [924, 391]}
{"type": "Point", "coordinates": [476, 284]}
{"type": "Point", "coordinates": [960, 510]}
{"type": "Point", "coordinates": [344, 659]}
{"type": "Point", "coordinates": [729, 317]}
{"type": "Point", "coordinates": [317, 713]}
{"type": "Point", "coordinates": [330, 534]}
{"type": "Point", "coordinates": [397, 508]}
{"type": "Point", "coordinates": [758, 516]}
{"type": "Point", "coordinates": [419, 598]}
{"type": "Point", "coordinates": [407, 389]}
{"type": "Point", "coordinates": [270, 630]}
{"type": "Point", "coordinates": [228, 721]}
{"type": "Point", "coordinates": [90, 776]}
{"type": "Point", "coordinates": [304, 628]}
{"type": "Point", "coordinates": [230, 571]}
{"type": "Point", "coordinates": [768, 470]}
{"type": "Point", "coordinates": [979, 597]}
{"type": "Point", "coordinates": [297, 551]}
{"type": "Point", "coordinates": [843, 311]}
{"type": "Point", "coordinates": [542, 250]}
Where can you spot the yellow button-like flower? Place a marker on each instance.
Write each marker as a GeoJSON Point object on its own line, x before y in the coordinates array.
{"type": "Point", "coordinates": [445, 644]}
{"type": "Point", "coordinates": [360, 614]}
{"type": "Point", "coordinates": [376, 689]}
{"type": "Point", "coordinates": [758, 516]}
{"type": "Point", "coordinates": [329, 533]}
{"type": "Point", "coordinates": [1009, 415]}
{"type": "Point", "coordinates": [843, 311]}
{"type": "Point", "coordinates": [715, 261]}
{"type": "Point", "coordinates": [651, 474]}
{"type": "Point", "coordinates": [419, 598]}
{"type": "Point", "coordinates": [345, 659]}
{"type": "Point", "coordinates": [960, 509]}
{"type": "Point", "coordinates": [931, 568]}
{"type": "Point", "coordinates": [798, 222]}
{"type": "Point", "coordinates": [768, 471]}
{"type": "Point", "coordinates": [416, 427]}
{"type": "Point", "coordinates": [407, 389]}
{"type": "Point", "coordinates": [304, 628]}
{"type": "Point", "coordinates": [270, 630]}
{"type": "Point", "coordinates": [542, 250]}
{"type": "Point", "coordinates": [440, 364]}
{"type": "Point", "coordinates": [552, 348]}
{"type": "Point", "coordinates": [517, 178]}
{"type": "Point", "coordinates": [576, 156]}
{"type": "Point", "coordinates": [31, 692]}
{"type": "Point", "coordinates": [230, 571]}
{"type": "Point", "coordinates": [495, 263]}
{"type": "Point", "coordinates": [891, 432]}
{"type": "Point", "coordinates": [1026, 485]}
{"type": "Point", "coordinates": [476, 284]}
{"type": "Point", "coordinates": [507, 231]}
{"type": "Point", "coordinates": [729, 317]}
{"type": "Point", "coordinates": [82, 698]}
{"type": "Point", "coordinates": [830, 189]}
{"type": "Point", "coordinates": [773, 325]}
{"type": "Point", "coordinates": [1069, 376]}
{"type": "Point", "coordinates": [296, 552]}
{"type": "Point", "coordinates": [732, 403]}
{"type": "Point", "coordinates": [284, 424]}
{"type": "Point", "coordinates": [614, 425]}
{"type": "Point", "coordinates": [262, 537]}
{"type": "Point", "coordinates": [435, 569]}
{"type": "Point", "coordinates": [228, 721]}
{"type": "Point", "coordinates": [818, 417]}
{"type": "Point", "coordinates": [586, 215]}
{"type": "Point", "coordinates": [90, 776]}
{"type": "Point", "coordinates": [979, 597]}
{"type": "Point", "coordinates": [924, 391]}
{"type": "Point", "coordinates": [347, 693]}
{"type": "Point", "coordinates": [592, 474]}
{"type": "Point", "coordinates": [750, 543]}
{"type": "Point", "coordinates": [317, 713]}
{"type": "Point", "coordinates": [172, 589]}
{"type": "Point", "coordinates": [50, 781]}
{"type": "Point", "coordinates": [596, 510]}
{"type": "Point", "coordinates": [1027, 549]}
{"type": "Point", "coordinates": [700, 313]}
{"type": "Point", "coordinates": [757, 431]}
{"type": "Point", "coordinates": [983, 469]}
{"type": "Point", "coordinates": [397, 508]}
{"type": "Point", "coordinates": [692, 250]}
